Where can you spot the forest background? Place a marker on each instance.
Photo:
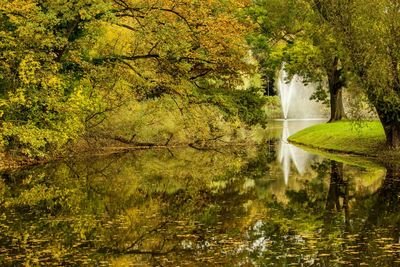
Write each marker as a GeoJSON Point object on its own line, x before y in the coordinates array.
{"type": "Point", "coordinates": [78, 75]}
{"type": "Point", "coordinates": [83, 75]}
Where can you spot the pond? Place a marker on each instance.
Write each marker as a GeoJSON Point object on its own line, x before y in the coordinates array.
{"type": "Point", "coordinates": [267, 205]}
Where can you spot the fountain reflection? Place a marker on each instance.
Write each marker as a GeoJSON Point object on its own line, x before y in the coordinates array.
{"type": "Point", "coordinates": [291, 154]}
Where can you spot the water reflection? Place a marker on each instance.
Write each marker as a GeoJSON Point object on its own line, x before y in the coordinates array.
{"type": "Point", "coordinates": [289, 154]}
{"type": "Point", "coordinates": [334, 220]}
{"type": "Point", "coordinates": [338, 193]}
{"type": "Point", "coordinates": [199, 208]}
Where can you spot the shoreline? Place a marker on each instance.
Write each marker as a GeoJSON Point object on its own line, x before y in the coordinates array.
{"type": "Point", "coordinates": [360, 139]}
{"type": "Point", "coordinates": [9, 163]}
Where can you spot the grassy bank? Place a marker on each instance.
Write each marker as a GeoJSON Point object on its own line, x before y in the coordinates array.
{"type": "Point", "coordinates": [360, 138]}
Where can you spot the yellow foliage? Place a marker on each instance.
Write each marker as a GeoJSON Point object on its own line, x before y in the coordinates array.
{"type": "Point", "coordinates": [28, 70]}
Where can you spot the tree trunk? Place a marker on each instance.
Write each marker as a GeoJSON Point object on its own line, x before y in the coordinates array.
{"type": "Point", "coordinates": [336, 84]}
{"type": "Point", "coordinates": [337, 108]}
{"type": "Point", "coordinates": [392, 132]}
{"type": "Point", "coordinates": [388, 115]}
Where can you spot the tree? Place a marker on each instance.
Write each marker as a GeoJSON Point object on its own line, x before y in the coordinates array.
{"type": "Point", "coordinates": [44, 83]}
{"type": "Point", "coordinates": [291, 32]}
{"type": "Point", "coordinates": [177, 41]}
{"type": "Point", "coordinates": [66, 64]}
{"type": "Point", "coordinates": [372, 42]}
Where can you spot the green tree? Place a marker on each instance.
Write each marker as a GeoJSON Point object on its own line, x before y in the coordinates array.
{"type": "Point", "coordinates": [293, 34]}
{"type": "Point", "coordinates": [370, 33]}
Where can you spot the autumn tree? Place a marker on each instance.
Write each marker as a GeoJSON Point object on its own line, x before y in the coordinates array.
{"type": "Point", "coordinates": [65, 65]}
{"type": "Point", "coordinates": [44, 84]}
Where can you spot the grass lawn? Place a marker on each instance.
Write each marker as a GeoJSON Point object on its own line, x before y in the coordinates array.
{"type": "Point", "coordinates": [361, 138]}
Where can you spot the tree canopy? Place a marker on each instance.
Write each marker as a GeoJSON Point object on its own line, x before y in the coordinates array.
{"type": "Point", "coordinates": [73, 70]}
{"type": "Point", "coordinates": [371, 40]}
{"type": "Point", "coordinates": [294, 37]}
{"type": "Point", "coordinates": [66, 64]}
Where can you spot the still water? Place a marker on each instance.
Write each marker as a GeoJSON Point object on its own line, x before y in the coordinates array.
{"type": "Point", "coordinates": [267, 205]}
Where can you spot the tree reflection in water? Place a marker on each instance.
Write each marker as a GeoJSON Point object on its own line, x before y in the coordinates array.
{"type": "Point", "coordinates": [336, 221]}
{"type": "Point", "coordinates": [199, 208]}
{"type": "Point", "coordinates": [290, 154]}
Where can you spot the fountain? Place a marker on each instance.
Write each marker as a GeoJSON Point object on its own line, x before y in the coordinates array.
{"type": "Point", "coordinates": [295, 98]}
{"type": "Point", "coordinates": [285, 91]}
{"type": "Point", "coordinates": [299, 112]}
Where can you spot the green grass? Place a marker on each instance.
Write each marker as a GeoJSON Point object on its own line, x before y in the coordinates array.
{"type": "Point", "coordinates": [361, 138]}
